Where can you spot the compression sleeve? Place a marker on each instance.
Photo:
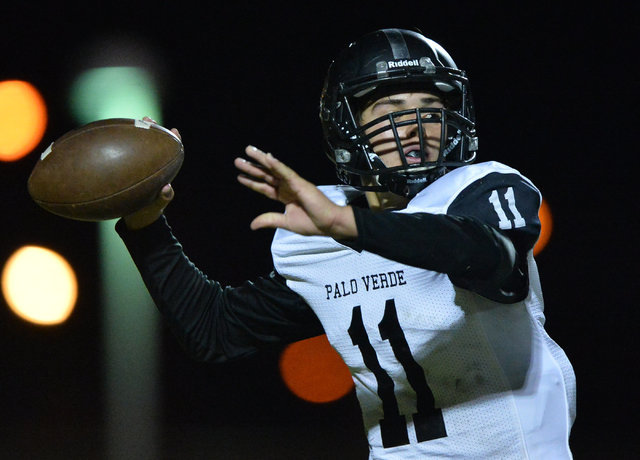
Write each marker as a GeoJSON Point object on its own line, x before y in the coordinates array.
{"type": "Point", "coordinates": [215, 323]}
{"type": "Point", "coordinates": [481, 243]}
{"type": "Point", "coordinates": [455, 245]}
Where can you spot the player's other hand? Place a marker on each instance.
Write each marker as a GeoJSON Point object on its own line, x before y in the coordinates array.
{"type": "Point", "coordinates": [150, 213]}
{"type": "Point", "coordinates": [307, 210]}
{"type": "Point", "coordinates": [173, 130]}
{"type": "Point", "coordinates": [153, 211]}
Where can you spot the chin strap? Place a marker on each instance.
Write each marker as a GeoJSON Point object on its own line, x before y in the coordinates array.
{"type": "Point", "coordinates": [376, 163]}
{"type": "Point", "coordinates": [409, 186]}
{"type": "Point", "coordinates": [405, 185]}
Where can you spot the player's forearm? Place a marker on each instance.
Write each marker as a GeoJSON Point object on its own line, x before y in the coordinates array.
{"type": "Point", "coordinates": [215, 323]}
{"type": "Point", "coordinates": [180, 292]}
{"type": "Point", "coordinates": [447, 244]}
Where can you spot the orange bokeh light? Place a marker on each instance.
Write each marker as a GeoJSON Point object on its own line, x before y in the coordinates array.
{"type": "Point", "coordinates": [314, 371]}
{"type": "Point", "coordinates": [23, 119]}
{"type": "Point", "coordinates": [546, 222]}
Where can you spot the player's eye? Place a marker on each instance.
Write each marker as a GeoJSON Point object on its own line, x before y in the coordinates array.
{"type": "Point", "coordinates": [431, 116]}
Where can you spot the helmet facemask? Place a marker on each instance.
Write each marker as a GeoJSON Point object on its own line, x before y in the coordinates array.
{"type": "Point", "coordinates": [396, 61]}
{"type": "Point", "coordinates": [417, 167]}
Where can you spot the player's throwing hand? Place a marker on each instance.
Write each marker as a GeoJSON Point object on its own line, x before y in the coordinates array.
{"type": "Point", "coordinates": [307, 210]}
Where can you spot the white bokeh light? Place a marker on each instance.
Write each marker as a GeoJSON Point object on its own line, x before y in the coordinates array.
{"type": "Point", "coordinates": [39, 285]}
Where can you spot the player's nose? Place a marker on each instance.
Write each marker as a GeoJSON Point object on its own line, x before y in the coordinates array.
{"type": "Point", "coordinates": [409, 128]}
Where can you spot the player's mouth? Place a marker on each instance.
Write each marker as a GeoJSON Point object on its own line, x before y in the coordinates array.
{"type": "Point", "coordinates": [412, 154]}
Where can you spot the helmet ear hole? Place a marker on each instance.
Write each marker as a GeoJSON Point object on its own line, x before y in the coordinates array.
{"type": "Point", "coordinates": [342, 156]}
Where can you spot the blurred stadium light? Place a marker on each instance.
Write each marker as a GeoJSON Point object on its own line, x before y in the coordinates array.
{"type": "Point", "coordinates": [114, 92]}
{"type": "Point", "coordinates": [39, 285]}
{"type": "Point", "coordinates": [546, 227]}
{"type": "Point", "coordinates": [23, 119]}
{"type": "Point", "coordinates": [118, 79]}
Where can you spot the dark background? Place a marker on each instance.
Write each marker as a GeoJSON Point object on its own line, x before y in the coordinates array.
{"type": "Point", "coordinates": [556, 98]}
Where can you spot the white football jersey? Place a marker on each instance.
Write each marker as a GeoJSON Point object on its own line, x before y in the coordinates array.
{"type": "Point", "coordinates": [439, 371]}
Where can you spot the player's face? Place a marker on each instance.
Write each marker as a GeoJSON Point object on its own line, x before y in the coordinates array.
{"type": "Point", "coordinates": [384, 144]}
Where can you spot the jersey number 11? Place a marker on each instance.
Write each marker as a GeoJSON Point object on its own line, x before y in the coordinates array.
{"type": "Point", "coordinates": [428, 420]}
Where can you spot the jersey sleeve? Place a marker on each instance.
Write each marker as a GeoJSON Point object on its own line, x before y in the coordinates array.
{"type": "Point", "coordinates": [481, 241]}
{"type": "Point", "coordinates": [506, 202]}
{"type": "Point", "coordinates": [214, 322]}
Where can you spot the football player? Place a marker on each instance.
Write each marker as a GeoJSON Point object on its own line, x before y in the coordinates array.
{"type": "Point", "coordinates": [418, 267]}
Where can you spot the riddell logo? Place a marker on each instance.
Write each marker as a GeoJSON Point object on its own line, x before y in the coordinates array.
{"type": "Point", "coordinates": [403, 63]}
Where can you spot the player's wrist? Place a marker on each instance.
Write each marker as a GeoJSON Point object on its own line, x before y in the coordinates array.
{"type": "Point", "coordinates": [344, 226]}
{"type": "Point", "coordinates": [138, 222]}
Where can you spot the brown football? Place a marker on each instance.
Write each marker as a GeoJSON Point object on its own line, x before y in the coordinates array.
{"type": "Point", "coordinates": [105, 169]}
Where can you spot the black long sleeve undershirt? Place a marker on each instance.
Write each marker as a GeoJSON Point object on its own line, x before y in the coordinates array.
{"type": "Point", "coordinates": [453, 245]}
{"type": "Point", "coordinates": [216, 323]}
{"type": "Point", "coordinates": [475, 255]}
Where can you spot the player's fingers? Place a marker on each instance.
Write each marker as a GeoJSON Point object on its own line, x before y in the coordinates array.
{"type": "Point", "coordinates": [162, 201]}
{"type": "Point", "coordinates": [254, 170]}
{"type": "Point", "coordinates": [167, 193]}
{"type": "Point", "coordinates": [271, 163]}
{"type": "Point", "coordinates": [268, 220]}
{"type": "Point", "coordinates": [151, 212]}
{"type": "Point", "coordinates": [257, 186]}
{"type": "Point", "coordinates": [173, 130]}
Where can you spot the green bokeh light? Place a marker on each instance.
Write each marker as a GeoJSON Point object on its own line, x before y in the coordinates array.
{"type": "Point", "coordinates": [114, 92]}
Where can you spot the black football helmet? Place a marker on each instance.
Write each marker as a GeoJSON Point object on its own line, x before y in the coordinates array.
{"type": "Point", "coordinates": [395, 61]}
